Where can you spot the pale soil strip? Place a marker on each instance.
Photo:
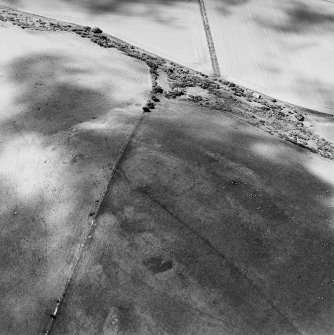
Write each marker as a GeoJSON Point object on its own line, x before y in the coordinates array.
{"type": "Point", "coordinates": [213, 56]}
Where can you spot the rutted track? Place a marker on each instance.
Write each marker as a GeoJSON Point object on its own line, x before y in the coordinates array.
{"type": "Point", "coordinates": [211, 45]}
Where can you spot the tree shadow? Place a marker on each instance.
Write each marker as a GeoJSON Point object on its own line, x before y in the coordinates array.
{"type": "Point", "coordinates": [226, 7]}
{"type": "Point", "coordinates": [318, 87]}
{"type": "Point", "coordinates": [128, 8]}
{"type": "Point", "coordinates": [51, 170]}
{"type": "Point", "coordinates": [153, 9]}
{"type": "Point", "coordinates": [51, 105]}
{"type": "Point", "coordinates": [303, 18]}
{"type": "Point", "coordinates": [120, 6]}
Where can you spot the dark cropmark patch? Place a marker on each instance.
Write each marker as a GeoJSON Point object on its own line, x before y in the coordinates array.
{"type": "Point", "coordinates": [301, 18]}
{"type": "Point", "coordinates": [158, 265]}
{"type": "Point", "coordinates": [102, 6]}
{"type": "Point", "coordinates": [170, 314]}
{"type": "Point", "coordinates": [45, 112]}
{"type": "Point", "coordinates": [137, 227]}
{"type": "Point", "coordinates": [128, 320]}
{"type": "Point", "coordinates": [225, 7]}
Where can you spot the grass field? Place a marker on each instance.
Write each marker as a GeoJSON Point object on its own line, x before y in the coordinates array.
{"type": "Point", "coordinates": [282, 48]}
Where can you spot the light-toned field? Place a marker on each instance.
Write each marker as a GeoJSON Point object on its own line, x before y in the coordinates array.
{"type": "Point", "coordinates": [65, 111]}
{"type": "Point", "coordinates": [172, 29]}
{"type": "Point", "coordinates": [282, 48]}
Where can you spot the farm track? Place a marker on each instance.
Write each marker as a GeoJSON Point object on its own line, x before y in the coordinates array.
{"type": "Point", "coordinates": [211, 45]}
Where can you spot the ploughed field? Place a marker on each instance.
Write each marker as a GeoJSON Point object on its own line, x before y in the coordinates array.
{"type": "Point", "coordinates": [282, 48]}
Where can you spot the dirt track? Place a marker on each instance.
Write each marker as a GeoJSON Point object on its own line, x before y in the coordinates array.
{"type": "Point", "coordinates": [211, 45]}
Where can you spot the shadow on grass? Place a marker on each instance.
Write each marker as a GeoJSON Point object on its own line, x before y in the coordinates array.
{"type": "Point", "coordinates": [153, 8]}
{"type": "Point", "coordinates": [121, 6]}
{"type": "Point", "coordinates": [226, 7]}
{"type": "Point", "coordinates": [51, 104]}
{"type": "Point", "coordinates": [302, 18]}
{"type": "Point", "coordinates": [49, 176]}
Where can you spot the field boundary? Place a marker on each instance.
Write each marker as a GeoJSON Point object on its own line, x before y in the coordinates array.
{"type": "Point", "coordinates": [211, 45]}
